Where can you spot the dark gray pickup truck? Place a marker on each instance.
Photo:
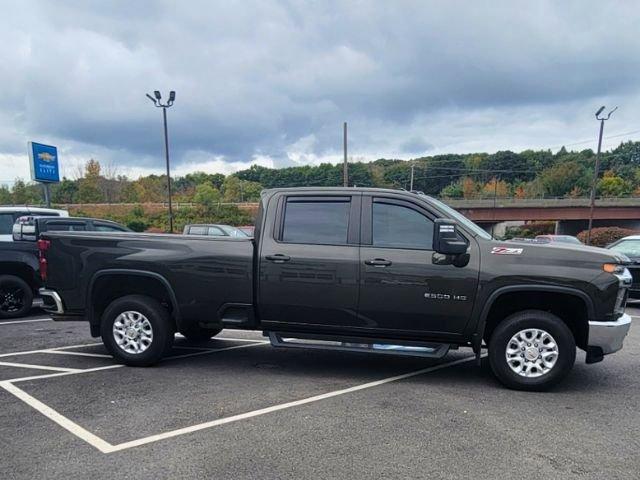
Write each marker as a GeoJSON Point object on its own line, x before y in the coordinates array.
{"type": "Point", "coordinates": [359, 269]}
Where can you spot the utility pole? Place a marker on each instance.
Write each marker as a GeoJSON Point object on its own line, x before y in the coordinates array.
{"type": "Point", "coordinates": [345, 168]}
{"type": "Point", "coordinates": [157, 103]}
{"type": "Point", "coordinates": [592, 200]}
{"type": "Point", "coordinates": [411, 183]}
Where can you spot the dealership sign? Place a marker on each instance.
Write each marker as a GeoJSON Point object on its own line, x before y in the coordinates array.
{"type": "Point", "coordinates": [43, 160]}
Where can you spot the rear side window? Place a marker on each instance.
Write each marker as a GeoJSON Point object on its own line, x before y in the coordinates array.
{"type": "Point", "coordinates": [6, 223]}
{"type": "Point", "coordinates": [66, 227]}
{"type": "Point", "coordinates": [198, 230]}
{"type": "Point", "coordinates": [316, 222]}
{"type": "Point", "coordinates": [398, 226]}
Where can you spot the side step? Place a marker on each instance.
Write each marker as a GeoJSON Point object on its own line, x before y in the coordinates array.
{"type": "Point", "coordinates": [357, 344]}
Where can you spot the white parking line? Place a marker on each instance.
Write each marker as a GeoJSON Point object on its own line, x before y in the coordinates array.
{"type": "Point", "coordinates": [80, 354]}
{"type": "Point", "coordinates": [31, 320]}
{"type": "Point", "coordinates": [106, 447]}
{"type": "Point", "coordinates": [39, 367]}
{"type": "Point", "coordinates": [43, 350]}
{"type": "Point", "coordinates": [61, 420]}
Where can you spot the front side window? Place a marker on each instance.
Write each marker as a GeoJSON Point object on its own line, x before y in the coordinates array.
{"type": "Point", "coordinates": [316, 222]}
{"type": "Point", "coordinates": [398, 226]}
{"type": "Point", "coordinates": [108, 228]}
{"type": "Point", "coordinates": [216, 232]}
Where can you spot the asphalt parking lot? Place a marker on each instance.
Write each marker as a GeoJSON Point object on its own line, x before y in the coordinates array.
{"type": "Point", "coordinates": [235, 407]}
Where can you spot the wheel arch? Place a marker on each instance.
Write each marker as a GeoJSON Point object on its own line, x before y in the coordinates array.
{"type": "Point", "coordinates": [146, 283]}
{"type": "Point", "coordinates": [544, 296]}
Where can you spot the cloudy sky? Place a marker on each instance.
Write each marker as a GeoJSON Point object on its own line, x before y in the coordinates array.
{"type": "Point", "coordinates": [270, 82]}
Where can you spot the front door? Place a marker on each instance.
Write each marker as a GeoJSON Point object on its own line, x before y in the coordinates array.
{"type": "Point", "coordinates": [401, 289]}
{"type": "Point", "coordinates": [309, 263]}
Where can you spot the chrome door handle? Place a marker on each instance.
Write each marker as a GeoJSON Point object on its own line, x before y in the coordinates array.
{"type": "Point", "coordinates": [278, 258]}
{"type": "Point", "coordinates": [378, 262]}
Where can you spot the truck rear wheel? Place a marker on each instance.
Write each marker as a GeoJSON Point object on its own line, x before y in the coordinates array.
{"type": "Point", "coordinates": [199, 334]}
{"type": "Point", "coordinates": [16, 297]}
{"type": "Point", "coordinates": [531, 350]}
{"type": "Point", "coordinates": [136, 330]}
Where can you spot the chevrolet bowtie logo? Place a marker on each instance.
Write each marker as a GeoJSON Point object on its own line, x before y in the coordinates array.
{"type": "Point", "coordinates": [46, 157]}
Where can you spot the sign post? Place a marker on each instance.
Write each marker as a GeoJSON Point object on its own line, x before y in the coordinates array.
{"type": "Point", "coordinates": [43, 160]}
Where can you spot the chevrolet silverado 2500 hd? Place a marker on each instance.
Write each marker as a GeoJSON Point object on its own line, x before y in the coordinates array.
{"type": "Point", "coordinates": [356, 267]}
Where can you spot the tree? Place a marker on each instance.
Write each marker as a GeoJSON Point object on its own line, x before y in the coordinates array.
{"type": "Point", "coordinates": [561, 178]}
{"type": "Point", "coordinates": [611, 185]}
{"type": "Point", "coordinates": [496, 187]}
{"type": "Point", "coordinates": [89, 185]}
{"type": "Point", "coordinates": [5, 195]}
{"type": "Point", "coordinates": [236, 190]}
{"type": "Point", "coordinates": [207, 195]}
{"type": "Point", "coordinates": [64, 192]}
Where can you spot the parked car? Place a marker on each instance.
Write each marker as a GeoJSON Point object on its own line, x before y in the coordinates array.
{"type": "Point", "coordinates": [9, 215]}
{"type": "Point", "coordinates": [248, 229]}
{"type": "Point", "coordinates": [630, 246]}
{"type": "Point", "coordinates": [19, 259]}
{"type": "Point", "coordinates": [213, 230]}
{"type": "Point", "coordinates": [558, 239]}
{"type": "Point", "coordinates": [348, 266]}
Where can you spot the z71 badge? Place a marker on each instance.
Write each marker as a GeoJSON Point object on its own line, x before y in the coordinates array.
{"type": "Point", "coordinates": [507, 251]}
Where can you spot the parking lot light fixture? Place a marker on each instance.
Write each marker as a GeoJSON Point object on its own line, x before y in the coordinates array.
{"type": "Point", "coordinates": [157, 101]}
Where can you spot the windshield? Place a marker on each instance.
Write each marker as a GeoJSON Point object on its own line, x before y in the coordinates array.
{"type": "Point", "coordinates": [461, 219]}
{"type": "Point", "coordinates": [631, 248]}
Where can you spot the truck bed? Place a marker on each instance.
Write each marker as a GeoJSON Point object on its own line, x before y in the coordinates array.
{"type": "Point", "coordinates": [204, 273]}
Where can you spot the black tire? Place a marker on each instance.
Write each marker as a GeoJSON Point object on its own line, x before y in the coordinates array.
{"type": "Point", "coordinates": [16, 297]}
{"type": "Point", "coordinates": [157, 316]}
{"type": "Point", "coordinates": [517, 322]}
{"type": "Point", "coordinates": [199, 334]}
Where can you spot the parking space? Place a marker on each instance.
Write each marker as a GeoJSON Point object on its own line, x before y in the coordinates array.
{"type": "Point", "coordinates": [235, 407]}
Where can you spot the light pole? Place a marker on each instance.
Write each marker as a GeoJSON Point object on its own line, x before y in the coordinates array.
{"type": "Point", "coordinates": [345, 166]}
{"type": "Point", "coordinates": [592, 201]}
{"type": "Point", "coordinates": [156, 99]}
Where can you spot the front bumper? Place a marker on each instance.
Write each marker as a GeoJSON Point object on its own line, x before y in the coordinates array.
{"type": "Point", "coordinates": [609, 336]}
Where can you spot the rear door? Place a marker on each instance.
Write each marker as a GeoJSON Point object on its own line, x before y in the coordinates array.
{"type": "Point", "coordinates": [309, 262]}
{"type": "Point", "coordinates": [402, 290]}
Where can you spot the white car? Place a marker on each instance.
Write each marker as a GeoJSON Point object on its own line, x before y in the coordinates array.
{"type": "Point", "coordinates": [8, 216]}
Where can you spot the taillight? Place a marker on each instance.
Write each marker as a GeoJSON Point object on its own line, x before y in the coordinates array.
{"type": "Point", "coordinates": [43, 246]}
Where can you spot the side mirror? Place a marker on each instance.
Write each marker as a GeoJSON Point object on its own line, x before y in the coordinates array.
{"type": "Point", "coordinates": [446, 239]}
{"type": "Point", "coordinates": [24, 229]}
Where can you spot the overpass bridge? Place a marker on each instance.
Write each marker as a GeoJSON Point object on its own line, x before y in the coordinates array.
{"type": "Point", "coordinates": [532, 209]}
{"type": "Point", "coordinates": [570, 214]}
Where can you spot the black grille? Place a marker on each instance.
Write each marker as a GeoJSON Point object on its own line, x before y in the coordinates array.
{"type": "Point", "coordinates": [635, 273]}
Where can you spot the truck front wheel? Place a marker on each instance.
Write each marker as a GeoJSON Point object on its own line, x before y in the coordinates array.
{"type": "Point", "coordinates": [531, 350]}
{"type": "Point", "coordinates": [136, 330]}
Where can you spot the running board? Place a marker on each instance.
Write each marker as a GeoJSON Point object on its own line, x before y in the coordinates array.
{"type": "Point", "coordinates": [356, 344]}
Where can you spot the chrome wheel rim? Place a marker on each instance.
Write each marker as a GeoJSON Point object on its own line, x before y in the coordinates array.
{"type": "Point", "coordinates": [132, 332]}
{"type": "Point", "coordinates": [532, 353]}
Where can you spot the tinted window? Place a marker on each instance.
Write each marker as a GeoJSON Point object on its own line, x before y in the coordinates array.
{"type": "Point", "coordinates": [65, 227]}
{"type": "Point", "coordinates": [108, 228]}
{"type": "Point", "coordinates": [216, 232]}
{"type": "Point", "coordinates": [401, 227]}
{"type": "Point", "coordinates": [628, 247]}
{"type": "Point", "coordinates": [6, 223]}
{"type": "Point", "coordinates": [197, 230]}
{"type": "Point", "coordinates": [323, 223]}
